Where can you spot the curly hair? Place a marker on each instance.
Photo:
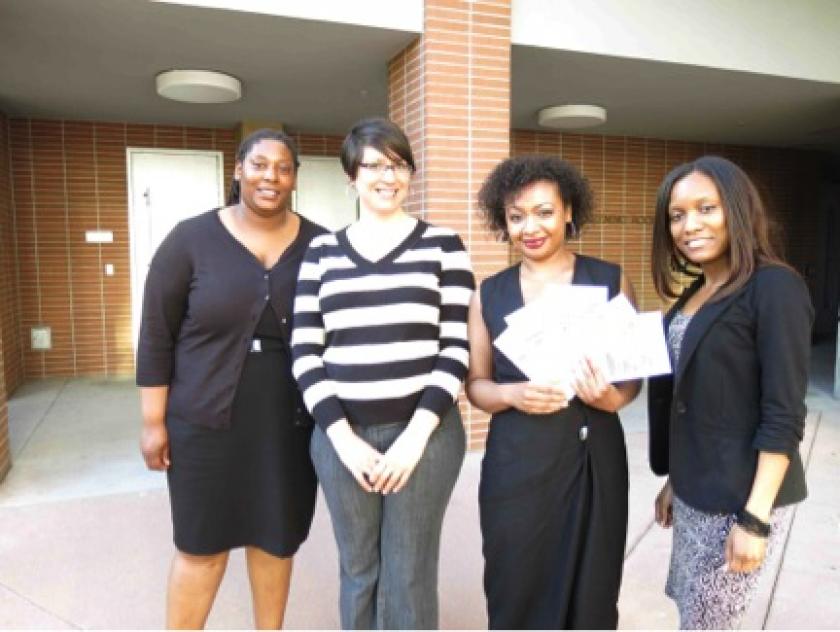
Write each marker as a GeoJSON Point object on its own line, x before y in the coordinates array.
{"type": "Point", "coordinates": [509, 177]}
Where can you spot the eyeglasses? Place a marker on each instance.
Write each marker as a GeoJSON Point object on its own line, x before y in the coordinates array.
{"type": "Point", "coordinates": [379, 168]}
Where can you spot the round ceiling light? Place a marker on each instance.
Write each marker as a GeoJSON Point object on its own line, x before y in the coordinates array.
{"type": "Point", "coordinates": [572, 116]}
{"type": "Point", "coordinates": [198, 86]}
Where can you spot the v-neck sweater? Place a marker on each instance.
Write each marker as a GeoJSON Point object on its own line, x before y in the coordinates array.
{"type": "Point", "coordinates": [373, 341]}
{"type": "Point", "coordinates": [204, 295]}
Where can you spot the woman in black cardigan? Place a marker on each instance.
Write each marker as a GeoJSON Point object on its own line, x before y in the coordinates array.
{"type": "Point", "coordinates": [726, 426]}
{"type": "Point", "coordinates": [221, 412]}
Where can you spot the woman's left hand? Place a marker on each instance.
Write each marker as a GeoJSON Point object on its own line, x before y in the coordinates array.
{"type": "Point", "coordinates": [590, 383]}
{"type": "Point", "coordinates": [392, 472]}
{"type": "Point", "coordinates": [744, 551]}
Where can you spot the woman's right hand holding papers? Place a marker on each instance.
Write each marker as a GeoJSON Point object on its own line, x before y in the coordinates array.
{"type": "Point", "coordinates": [535, 399]}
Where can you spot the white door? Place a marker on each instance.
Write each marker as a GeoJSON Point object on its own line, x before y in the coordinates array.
{"type": "Point", "coordinates": [322, 193]}
{"type": "Point", "coordinates": [164, 187]}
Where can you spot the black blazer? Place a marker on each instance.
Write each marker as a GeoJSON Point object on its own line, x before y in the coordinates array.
{"type": "Point", "coordinates": [738, 390]}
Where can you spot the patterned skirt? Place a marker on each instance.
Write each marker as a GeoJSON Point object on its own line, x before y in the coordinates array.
{"type": "Point", "coordinates": [707, 595]}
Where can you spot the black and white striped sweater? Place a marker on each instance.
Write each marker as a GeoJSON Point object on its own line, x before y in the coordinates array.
{"type": "Point", "coordinates": [374, 341]}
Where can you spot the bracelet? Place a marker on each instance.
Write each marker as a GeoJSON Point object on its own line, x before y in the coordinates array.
{"type": "Point", "coordinates": [752, 524]}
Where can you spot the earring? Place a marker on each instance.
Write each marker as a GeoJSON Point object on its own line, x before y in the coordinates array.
{"type": "Point", "coordinates": [571, 230]}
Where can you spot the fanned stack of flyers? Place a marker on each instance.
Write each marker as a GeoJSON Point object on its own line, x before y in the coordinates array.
{"type": "Point", "coordinates": [548, 338]}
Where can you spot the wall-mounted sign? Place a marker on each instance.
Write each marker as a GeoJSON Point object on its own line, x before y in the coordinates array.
{"type": "Point", "coordinates": [99, 236]}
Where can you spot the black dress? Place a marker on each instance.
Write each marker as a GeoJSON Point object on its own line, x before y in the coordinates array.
{"type": "Point", "coordinates": [251, 484]}
{"type": "Point", "coordinates": [553, 493]}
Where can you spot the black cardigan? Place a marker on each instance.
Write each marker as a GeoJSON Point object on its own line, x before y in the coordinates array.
{"type": "Point", "coordinates": [204, 295]}
{"type": "Point", "coordinates": [738, 390]}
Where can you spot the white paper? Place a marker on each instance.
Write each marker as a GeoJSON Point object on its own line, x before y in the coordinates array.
{"type": "Point", "coordinates": [632, 347]}
{"type": "Point", "coordinates": [548, 338]}
{"type": "Point", "coordinates": [561, 302]}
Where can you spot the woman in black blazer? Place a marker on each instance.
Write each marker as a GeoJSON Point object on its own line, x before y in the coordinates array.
{"type": "Point", "coordinates": [726, 425]}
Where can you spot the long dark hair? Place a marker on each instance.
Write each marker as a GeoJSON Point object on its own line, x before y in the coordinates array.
{"type": "Point", "coordinates": [247, 145]}
{"type": "Point", "coordinates": [746, 221]}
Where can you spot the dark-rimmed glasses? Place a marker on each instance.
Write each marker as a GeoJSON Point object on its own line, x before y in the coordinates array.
{"type": "Point", "coordinates": [380, 168]}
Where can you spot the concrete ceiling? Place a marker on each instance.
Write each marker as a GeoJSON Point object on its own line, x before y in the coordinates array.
{"type": "Point", "coordinates": [97, 59]}
{"type": "Point", "coordinates": [677, 101]}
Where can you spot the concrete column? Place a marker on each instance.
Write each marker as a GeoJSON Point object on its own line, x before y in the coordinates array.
{"type": "Point", "coordinates": [450, 91]}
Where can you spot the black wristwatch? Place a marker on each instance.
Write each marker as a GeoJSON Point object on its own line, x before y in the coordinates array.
{"type": "Point", "coordinates": [752, 524]}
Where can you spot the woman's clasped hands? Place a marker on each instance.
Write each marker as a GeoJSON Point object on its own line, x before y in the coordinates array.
{"type": "Point", "coordinates": [357, 455]}
{"type": "Point", "coordinates": [389, 472]}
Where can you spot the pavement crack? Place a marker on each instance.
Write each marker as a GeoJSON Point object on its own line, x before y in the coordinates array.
{"type": "Point", "coordinates": [58, 393]}
{"type": "Point", "coordinates": [39, 607]}
{"type": "Point", "coordinates": [631, 549]}
{"type": "Point", "coordinates": [790, 526]}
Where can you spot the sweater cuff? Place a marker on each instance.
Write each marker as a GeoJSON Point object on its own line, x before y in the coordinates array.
{"type": "Point", "coordinates": [327, 412]}
{"type": "Point", "coordinates": [436, 400]}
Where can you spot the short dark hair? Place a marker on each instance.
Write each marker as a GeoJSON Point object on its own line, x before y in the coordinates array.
{"type": "Point", "coordinates": [509, 177]}
{"type": "Point", "coordinates": [747, 223]}
{"type": "Point", "coordinates": [247, 145]}
{"type": "Point", "coordinates": [381, 134]}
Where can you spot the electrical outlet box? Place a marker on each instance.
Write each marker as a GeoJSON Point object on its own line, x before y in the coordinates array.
{"type": "Point", "coordinates": [41, 338]}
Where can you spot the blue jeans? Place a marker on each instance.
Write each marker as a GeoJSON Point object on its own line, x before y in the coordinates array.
{"type": "Point", "coordinates": [388, 546]}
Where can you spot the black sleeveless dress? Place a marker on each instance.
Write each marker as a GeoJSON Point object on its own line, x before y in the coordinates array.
{"type": "Point", "coordinates": [553, 493]}
{"type": "Point", "coordinates": [252, 484]}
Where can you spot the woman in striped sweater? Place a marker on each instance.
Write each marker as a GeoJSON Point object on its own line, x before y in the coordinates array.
{"type": "Point", "coordinates": [380, 350]}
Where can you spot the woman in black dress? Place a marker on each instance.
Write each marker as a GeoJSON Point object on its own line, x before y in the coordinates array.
{"type": "Point", "coordinates": [221, 413]}
{"type": "Point", "coordinates": [553, 492]}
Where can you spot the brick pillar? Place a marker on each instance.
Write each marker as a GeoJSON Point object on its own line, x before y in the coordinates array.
{"type": "Point", "coordinates": [450, 91]}
{"type": "Point", "coordinates": [5, 447]}
{"type": "Point", "coordinates": [8, 305]}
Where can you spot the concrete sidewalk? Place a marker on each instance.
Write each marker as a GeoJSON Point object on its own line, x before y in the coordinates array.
{"type": "Point", "coordinates": [85, 535]}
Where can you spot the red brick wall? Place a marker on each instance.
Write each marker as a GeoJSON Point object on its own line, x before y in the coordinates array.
{"type": "Point", "coordinates": [59, 178]}
{"type": "Point", "coordinates": [317, 144]}
{"type": "Point", "coordinates": [68, 177]}
{"type": "Point", "coordinates": [405, 104]}
{"type": "Point", "coordinates": [625, 174]}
